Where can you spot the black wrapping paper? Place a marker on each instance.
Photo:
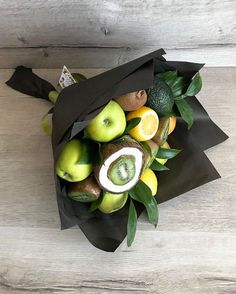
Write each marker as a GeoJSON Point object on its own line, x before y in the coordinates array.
{"type": "Point", "coordinates": [79, 103]}
{"type": "Point", "coordinates": [27, 82]}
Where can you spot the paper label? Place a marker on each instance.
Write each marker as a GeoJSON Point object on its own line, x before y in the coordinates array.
{"type": "Point", "coordinates": [66, 78]}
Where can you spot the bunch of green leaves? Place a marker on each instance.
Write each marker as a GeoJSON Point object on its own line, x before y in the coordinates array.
{"type": "Point", "coordinates": [142, 193]}
{"type": "Point", "coordinates": [182, 88]}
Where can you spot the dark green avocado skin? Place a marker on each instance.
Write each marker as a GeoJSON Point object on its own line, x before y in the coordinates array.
{"type": "Point", "coordinates": [160, 97]}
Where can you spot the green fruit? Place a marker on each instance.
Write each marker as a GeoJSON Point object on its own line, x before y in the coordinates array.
{"type": "Point", "coordinates": [112, 202]}
{"type": "Point", "coordinates": [53, 95]}
{"type": "Point", "coordinates": [46, 123]}
{"type": "Point", "coordinates": [160, 97]}
{"type": "Point", "coordinates": [120, 166]}
{"type": "Point", "coordinates": [109, 124]}
{"type": "Point", "coordinates": [78, 76]}
{"type": "Point", "coordinates": [122, 171]}
{"type": "Point", "coordinates": [75, 161]}
{"type": "Point", "coordinates": [87, 190]}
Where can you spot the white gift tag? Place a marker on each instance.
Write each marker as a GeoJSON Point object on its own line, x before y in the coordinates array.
{"type": "Point", "coordinates": [66, 78]}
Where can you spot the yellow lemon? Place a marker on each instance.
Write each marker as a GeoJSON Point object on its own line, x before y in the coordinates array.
{"type": "Point", "coordinates": [149, 178]}
{"type": "Point", "coordinates": [147, 127]}
{"type": "Point", "coordinates": [160, 160]}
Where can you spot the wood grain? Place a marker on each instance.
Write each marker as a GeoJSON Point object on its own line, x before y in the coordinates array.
{"type": "Point", "coordinates": [56, 57]}
{"type": "Point", "coordinates": [191, 251]}
{"type": "Point", "coordinates": [173, 24]}
{"type": "Point", "coordinates": [107, 33]}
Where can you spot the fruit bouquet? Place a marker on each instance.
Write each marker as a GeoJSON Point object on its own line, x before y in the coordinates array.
{"type": "Point", "coordinates": [124, 141]}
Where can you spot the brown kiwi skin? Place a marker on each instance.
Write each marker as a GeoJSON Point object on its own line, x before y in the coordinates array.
{"type": "Point", "coordinates": [133, 100]}
{"type": "Point", "coordinates": [162, 132]}
{"type": "Point", "coordinates": [151, 149]}
{"type": "Point", "coordinates": [87, 190]}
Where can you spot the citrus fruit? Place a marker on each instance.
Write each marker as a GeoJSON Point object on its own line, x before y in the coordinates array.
{"type": "Point", "coordinates": [172, 124]}
{"type": "Point", "coordinates": [160, 160]}
{"type": "Point", "coordinates": [147, 127]}
{"type": "Point", "coordinates": [160, 96]}
{"type": "Point", "coordinates": [149, 178]}
{"type": "Point", "coordinates": [112, 202]}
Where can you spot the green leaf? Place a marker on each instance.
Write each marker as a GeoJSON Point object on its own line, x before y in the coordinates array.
{"type": "Point", "coordinates": [158, 167]}
{"type": "Point", "coordinates": [180, 97]}
{"type": "Point", "coordinates": [185, 111]}
{"type": "Point", "coordinates": [195, 85]}
{"type": "Point", "coordinates": [142, 193]}
{"type": "Point", "coordinates": [179, 86]}
{"type": "Point", "coordinates": [169, 77]}
{"type": "Point", "coordinates": [172, 113]}
{"type": "Point", "coordinates": [132, 223]}
{"type": "Point", "coordinates": [88, 153]}
{"type": "Point", "coordinates": [94, 205]}
{"type": "Point", "coordinates": [146, 147]}
{"type": "Point", "coordinates": [97, 156]}
{"type": "Point", "coordinates": [167, 153]}
{"type": "Point", "coordinates": [132, 124]}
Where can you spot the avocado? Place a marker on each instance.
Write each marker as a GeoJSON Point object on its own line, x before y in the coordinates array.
{"type": "Point", "coordinates": [160, 97]}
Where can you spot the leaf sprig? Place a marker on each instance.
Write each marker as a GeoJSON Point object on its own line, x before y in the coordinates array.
{"type": "Point", "coordinates": [141, 193]}
{"type": "Point", "coordinates": [167, 153]}
{"type": "Point", "coordinates": [181, 89]}
{"type": "Point", "coordinates": [131, 124]}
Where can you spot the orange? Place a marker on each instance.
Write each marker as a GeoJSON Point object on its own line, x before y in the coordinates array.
{"type": "Point", "coordinates": [160, 160]}
{"type": "Point", "coordinates": [172, 124]}
{"type": "Point", "coordinates": [147, 127]}
{"type": "Point", "coordinates": [149, 178]}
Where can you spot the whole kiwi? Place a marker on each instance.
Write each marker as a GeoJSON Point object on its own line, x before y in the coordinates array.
{"type": "Point", "coordinates": [133, 100]}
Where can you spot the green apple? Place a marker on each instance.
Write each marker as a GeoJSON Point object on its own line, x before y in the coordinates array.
{"type": "Point", "coordinates": [112, 202]}
{"type": "Point", "coordinates": [78, 77]}
{"type": "Point", "coordinates": [52, 96]}
{"type": "Point", "coordinates": [75, 162]}
{"type": "Point", "coordinates": [109, 124]}
{"type": "Point", "coordinates": [46, 123]}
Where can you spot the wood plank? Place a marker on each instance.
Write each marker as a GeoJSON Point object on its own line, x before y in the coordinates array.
{"type": "Point", "coordinates": [88, 34]}
{"type": "Point", "coordinates": [191, 251]}
{"type": "Point", "coordinates": [172, 262]}
{"type": "Point", "coordinates": [49, 57]}
{"type": "Point", "coordinates": [171, 24]}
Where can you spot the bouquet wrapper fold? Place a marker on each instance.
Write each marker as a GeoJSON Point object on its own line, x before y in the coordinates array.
{"type": "Point", "coordinates": [27, 82]}
{"type": "Point", "coordinates": [80, 102]}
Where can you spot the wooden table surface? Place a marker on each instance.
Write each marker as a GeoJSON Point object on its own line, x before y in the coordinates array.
{"type": "Point", "coordinates": [193, 249]}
